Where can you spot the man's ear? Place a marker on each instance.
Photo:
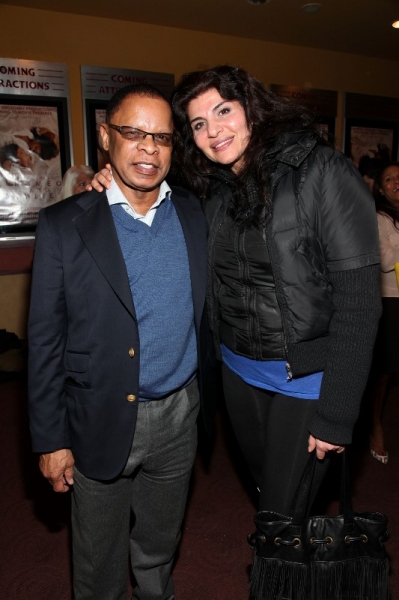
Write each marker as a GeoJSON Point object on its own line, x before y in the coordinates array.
{"type": "Point", "coordinates": [104, 133]}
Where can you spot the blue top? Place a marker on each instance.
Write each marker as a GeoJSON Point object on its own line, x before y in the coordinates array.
{"type": "Point", "coordinates": [272, 375]}
{"type": "Point", "coordinates": [157, 266]}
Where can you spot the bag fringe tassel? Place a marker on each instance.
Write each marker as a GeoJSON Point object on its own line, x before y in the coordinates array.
{"type": "Point", "coordinates": [274, 578]}
{"type": "Point", "coordinates": [362, 578]}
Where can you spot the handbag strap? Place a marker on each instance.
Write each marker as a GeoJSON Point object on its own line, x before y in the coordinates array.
{"type": "Point", "coordinates": [345, 502]}
{"type": "Point", "coordinates": [300, 505]}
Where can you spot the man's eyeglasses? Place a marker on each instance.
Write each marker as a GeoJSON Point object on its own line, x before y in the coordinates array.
{"type": "Point", "coordinates": [131, 134]}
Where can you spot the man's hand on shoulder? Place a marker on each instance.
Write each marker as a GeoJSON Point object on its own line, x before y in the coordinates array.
{"type": "Point", "coordinates": [57, 468]}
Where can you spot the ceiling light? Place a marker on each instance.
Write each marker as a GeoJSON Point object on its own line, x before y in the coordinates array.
{"type": "Point", "coordinates": [311, 8]}
{"type": "Point", "coordinates": [395, 24]}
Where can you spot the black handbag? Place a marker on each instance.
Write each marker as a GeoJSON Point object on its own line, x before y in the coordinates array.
{"type": "Point", "coordinates": [302, 557]}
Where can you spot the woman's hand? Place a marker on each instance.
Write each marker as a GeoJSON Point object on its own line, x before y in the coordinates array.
{"type": "Point", "coordinates": [322, 447]}
{"type": "Point", "coordinates": [101, 180]}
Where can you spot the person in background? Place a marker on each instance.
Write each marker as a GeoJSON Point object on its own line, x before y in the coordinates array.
{"type": "Point", "coordinates": [293, 262]}
{"type": "Point", "coordinates": [369, 168]}
{"type": "Point", "coordinates": [75, 180]}
{"type": "Point", "coordinates": [116, 340]}
{"type": "Point", "coordinates": [386, 361]}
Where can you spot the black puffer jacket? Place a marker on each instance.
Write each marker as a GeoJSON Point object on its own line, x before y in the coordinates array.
{"type": "Point", "coordinates": [322, 236]}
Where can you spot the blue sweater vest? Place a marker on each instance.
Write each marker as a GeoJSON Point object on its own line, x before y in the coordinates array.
{"type": "Point", "coordinates": [159, 277]}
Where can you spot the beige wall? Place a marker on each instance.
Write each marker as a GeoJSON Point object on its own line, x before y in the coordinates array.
{"type": "Point", "coordinates": [79, 40]}
{"type": "Point", "coordinates": [14, 299]}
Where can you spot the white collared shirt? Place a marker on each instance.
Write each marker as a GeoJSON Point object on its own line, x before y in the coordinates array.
{"type": "Point", "coordinates": [116, 196]}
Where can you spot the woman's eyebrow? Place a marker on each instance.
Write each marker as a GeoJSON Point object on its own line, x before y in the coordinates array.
{"type": "Point", "coordinates": [213, 110]}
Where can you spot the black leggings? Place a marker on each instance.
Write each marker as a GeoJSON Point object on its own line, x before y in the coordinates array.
{"type": "Point", "coordinates": [272, 431]}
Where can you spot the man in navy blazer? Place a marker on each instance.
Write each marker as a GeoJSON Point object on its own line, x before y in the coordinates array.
{"type": "Point", "coordinates": [117, 305]}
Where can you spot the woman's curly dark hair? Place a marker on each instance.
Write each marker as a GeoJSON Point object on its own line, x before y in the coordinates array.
{"type": "Point", "coordinates": [382, 204]}
{"type": "Point", "coordinates": [267, 116]}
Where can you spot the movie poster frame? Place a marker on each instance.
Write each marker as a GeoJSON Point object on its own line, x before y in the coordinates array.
{"type": "Point", "coordinates": [61, 105]}
{"type": "Point", "coordinates": [322, 103]}
{"type": "Point", "coordinates": [331, 123]}
{"type": "Point", "coordinates": [371, 124]}
{"type": "Point", "coordinates": [91, 131]}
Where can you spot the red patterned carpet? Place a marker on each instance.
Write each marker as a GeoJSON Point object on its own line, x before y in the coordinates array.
{"type": "Point", "coordinates": [214, 558]}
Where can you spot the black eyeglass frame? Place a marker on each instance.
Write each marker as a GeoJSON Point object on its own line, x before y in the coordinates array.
{"type": "Point", "coordinates": [124, 130]}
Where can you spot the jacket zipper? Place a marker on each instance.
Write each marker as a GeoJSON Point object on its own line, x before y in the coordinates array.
{"type": "Point", "coordinates": [288, 367]}
{"type": "Point", "coordinates": [287, 364]}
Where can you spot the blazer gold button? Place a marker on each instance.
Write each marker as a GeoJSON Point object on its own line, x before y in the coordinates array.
{"type": "Point", "coordinates": [131, 398]}
{"type": "Point", "coordinates": [131, 352]}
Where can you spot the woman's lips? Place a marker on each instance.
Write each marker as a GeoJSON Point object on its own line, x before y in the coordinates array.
{"type": "Point", "coordinates": [221, 145]}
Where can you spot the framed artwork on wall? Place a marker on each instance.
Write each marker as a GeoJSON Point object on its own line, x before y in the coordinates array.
{"type": "Point", "coordinates": [35, 148]}
{"type": "Point", "coordinates": [34, 154]}
{"type": "Point", "coordinates": [375, 139]}
{"type": "Point", "coordinates": [321, 102]}
{"type": "Point", "coordinates": [95, 115]}
{"type": "Point", "coordinates": [327, 128]}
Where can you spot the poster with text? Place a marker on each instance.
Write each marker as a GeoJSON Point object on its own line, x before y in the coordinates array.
{"type": "Point", "coordinates": [375, 142]}
{"type": "Point", "coordinates": [30, 162]}
{"type": "Point", "coordinates": [102, 155]}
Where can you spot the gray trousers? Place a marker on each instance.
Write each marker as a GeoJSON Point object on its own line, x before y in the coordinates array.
{"type": "Point", "coordinates": [145, 504]}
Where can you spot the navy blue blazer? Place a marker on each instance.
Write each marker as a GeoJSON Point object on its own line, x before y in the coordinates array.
{"type": "Point", "coordinates": [83, 335]}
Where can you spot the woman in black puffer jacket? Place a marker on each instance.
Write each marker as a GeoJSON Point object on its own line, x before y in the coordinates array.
{"type": "Point", "coordinates": [293, 291]}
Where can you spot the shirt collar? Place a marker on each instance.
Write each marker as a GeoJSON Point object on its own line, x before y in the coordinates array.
{"type": "Point", "coordinates": [116, 196]}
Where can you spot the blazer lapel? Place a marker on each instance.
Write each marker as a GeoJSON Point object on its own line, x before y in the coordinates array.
{"type": "Point", "coordinates": [97, 231]}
